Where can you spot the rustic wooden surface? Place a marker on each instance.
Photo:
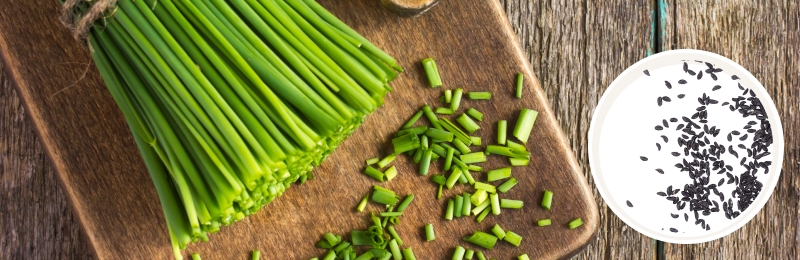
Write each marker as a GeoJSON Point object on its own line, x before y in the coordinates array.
{"type": "Point", "coordinates": [576, 48]}
{"type": "Point", "coordinates": [99, 168]}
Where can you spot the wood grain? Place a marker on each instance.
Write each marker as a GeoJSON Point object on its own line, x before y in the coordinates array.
{"type": "Point", "coordinates": [97, 164]}
{"type": "Point", "coordinates": [764, 37]}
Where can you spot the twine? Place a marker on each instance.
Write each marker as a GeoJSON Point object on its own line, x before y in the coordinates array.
{"type": "Point", "coordinates": [80, 25]}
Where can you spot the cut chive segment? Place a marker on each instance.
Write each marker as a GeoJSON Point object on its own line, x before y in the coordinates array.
{"type": "Point", "coordinates": [466, 209]}
{"type": "Point", "coordinates": [517, 162]}
{"type": "Point", "coordinates": [404, 204]}
{"type": "Point", "coordinates": [372, 161]}
{"type": "Point", "coordinates": [481, 207]}
{"type": "Point", "coordinates": [448, 160]}
{"type": "Point", "coordinates": [476, 140]}
{"type": "Point", "coordinates": [498, 231]}
{"type": "Point", "coordinates": [444, 111]}
{"type": "Point", "coordinates": [469, 254]}
{"type": "Point", "coordinates": [256, 255]}
{"type": "Point", "coordinates": [494, 199]}
{"type": "Point", "coordinates": [439, 134]}
{"type": "Point", "coordinates": [453, 178]}
{"type": "Point", "coordinates": [513, 238]}
{"type": "Point", "coordinates": [502, 129]}
{"type": "Point", "coordinates": [476, 157]}
{"type": "Point", "coordinates": [405, 143]}
{"type": "Point", "coordinates": [474, 113]}
{"type": "Point", "coordinates": [523, 257]}
{"type": "Point", "coordinates": [196, 256]}
{"type": "Point", "coordinates": [459, 253]}
{"type": "Point", "coordinates": [456, 101]}
{"type": "Point", "coordinates": [408, 254]}
{"type": "Point", "coordinates": [431, 116]}
{"type": "Point", "coordinates": [463, 148]}
{"type": "Point", "coordinates": [425, 163]}
{"type": "Point", "coordinates": [448, 214]}
{"type": "Point", "coordinates": [575, 223]}
{"type": "Point", "coordinates": [374, 173]}
{"type": "Point", "coordinates": [386, 160]}
{"type": "Point", "coordinates": [475, 168]}
{"type": "Point", "coordinates": [363, 203]}
{"type": "Point", "coordinates": [480, 255]}
{"type": "Point", "coordinates": [467, 123]}
{"type": "Point", "coordinates": [429, 234]}
{"type": "Point", "coordinates": [498, 174]}
{"type": "Point", "coordinates": [486, 187]}
{"type": "Point", "coordinates": [519, 85]}
{"type": "Point", "coordinates": [459, 205]}
{"type": "Point", "coordinates": [434, 80]}
{"type": "Point", "coordinates": [543, 222]}
{"type": "Point", "coordinates": [394, 235]}
{"type": "Point", "coordinates": [525, 124]}
{"type": "Point", "coordinates": [395, 249]}
{"type": "Point", "coordinates": [448, 96]}
{"type": "Point", "coordinates": [547, 200]}
{"type": "Point", "coordinates": [510, 183]}
{"type": "Point", "coordinates": [508, 152]}
{"type": "Point", "coordinates": [384, 196]}
{"type": "Point", "coordinates": [452, 128]}
{"type": "Point", "coordinates": [483, 214]}
{"type": "Point", "coordinates": [479, 197]}
{"type": "Point", "coordinates": [411, 121]}
{"type": "Point", "coordinates": [482, 239]}
{"type": "Point", "coordinates": [479, 95]}
{"type": "Point", "coordinates": [390, 173]}
{"type": "Point", "coordinates": [516, 146]}
{"type": "Point", "coordinates": [511, 204]}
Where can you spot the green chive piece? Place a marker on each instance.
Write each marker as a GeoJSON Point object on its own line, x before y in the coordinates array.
{"type": "Point", "coordinates": [406, 201]}
{"type": "Point", "coordinates": [459, 253]}
{"type": "Point", "coordinates": [366, 256]}
{"type": "Point", "coordinates": [384, 196]}
{"type": "Point", "coordinates": [463, 148]}
{"type": "Point", "coordinates": [439, 134]}
{"type": "Point", "coordinates": [314, 258]}
{"type": "Point", "coordinates": [523, 256]}
{"type": "Point", "coordinates": [196, 256]}
{"type": "Point", "coordinates": [386, 160]}
{"type": "Point", "coordinates": [456, 101]}
{"type": "Point", "coordinates": [448, 96]}
{"type": "Point", "coordinates": [474, 113]}
{"type": "Point", "coordinates": [479, 95]}
{"type": "Point", "coordinates": [372, 161]}
{"type": "Point", "coordinates": [463, 178]}
{"type": "Point", "coordinates": [519, 85]}
{"type": "Point", "coordinates": [468, 176]}
{"type": "Point", "coordinates": [479, 197]}
{"type": "Point", "coordinates": [476, 157]}
{"type": "Point", "coordinates": [448, 160]}
{"type": "Point", "coordinates": [330, 255]}
{"type": "Point", "coordinates": [517, 162]}
{"type": "Point", "coordinates": [516, 146]}
{"type": "Point", "coordinates": [481, 256]}
{"type": "Point", "coordinates": [498, 231]}
{"type": "Point", "coordinates": [476, 140]}
{"type": "Point", "coordinates": [444, 111]}
{"type": "Point", "coordinates": [459, 205]}
{"type": "Point", "coordinates": [426, 162]}
{"type": "Point", "coordinates": [525, 124]}
{"type": "Point", "coordinates": [256, 255]}
{"type": "Point", "coordinates": [483, 214]}
{"type": "Point", "coordinates": [502, 128]}
{"type": "Point", "coordinates": [467, 123]}
{"type": "Point", "coordinates": [431, 116]}
{"type": "Point", "coordinates": [433, 72]}
{"type": "Point", "coordinates": [511, 204]}
{"type": "Point", "coordinates": [467, 208]}
{"type": "Point", "coordinates": [451, 181]}
{"type": "Point", "coordinates": [543, 222]}
{"type": "Point", "coordinates": [480, 207]}
{"type": "Point", "coordinates": [461, 165]}
{"type": "Point", "coordinates": [332, 239]}
{"type": "Point", "coordinates": [448, 214]}
{"type": "Point", "coordinates": [439, 179]}
{"type": "Point", "coordinates": [485, 186]}
{"type": "Point", "coordinates": [575, 223]}
{"type": "Point", "coordinates": [498, 174]}
{"type": "Point", "coordinates": [418, 155]}
{"type": "Point", "coordinates": [547, 200]}
{"type": "Point", "coordinates": [395, 248]}
{"type": "Point", "coordinates": [324, 244]}
{"type": "Point", "coordinates": [363, 203]}
{"type": "Point", "coordinates": [394, 235]}
{"type": "Point", "coordinates": [508, 152]}
{"type": "Point", "coordinates": [452, 128]}
{"type": "Point", "coordinates": [411, 121]}
{"type": "Point", "coordinates": [374, 173]}
{"type": "Point", "coordinates": [408, 254]}
{"type": "Point", "coordinates": [390, 214]}
{"type": "Point", "coordinates": [405, 143]}
{"type": "Point", "coordinates": [470, 253]}
{"type": "Point", "coordinates": [510, 183]}
{"type": "Point", "coordinates": [513, 238]}
{"type": "Point", "coordinates": [475, 168]}
{"type": "Point", "coordinates": [482, 239]}
{"type": "Point", "coordinates": [429, 235]}
{"type": "Point", "coordinates": [414, 130]}
{"type": "Point", "coordinates": [495, 200]}
{"type": "Point", "coordinates": [390, 173]}
{"type": "Point", "coordinates": [439, 193]}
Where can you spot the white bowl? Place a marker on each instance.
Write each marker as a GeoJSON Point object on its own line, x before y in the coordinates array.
{"type": "Point", "coordinates": [623, 128]}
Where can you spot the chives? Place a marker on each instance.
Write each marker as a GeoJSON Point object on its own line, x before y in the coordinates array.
{"type": "Point", "coordinates": [475, 157]}
{"type": "Point", "coordinates": [468, 124]}
{"type": "Point", "coordinates": [390, 214]}
{"type": "Point", "coordinates": [469, 254]}
{"type": "Point", "coordinates": [547, 200]}
{"type": "Point", "coordinates": [519, 85]}
{"type": "Point", "coordinates": [466, 209]}
{"type": "Point", "coordinates": [412, 120]}
{"type": "Point", "coordinates": [366, 256]}
{"type": "Point", "coordinates": [426, 162]}
{"type": "Point", "coordinates": [372, 161]}
{"type": "Point", "coordinates": [543, 222]}
{"type": "Point", "coordinates": [331, 238]}
{"type": "Point", "coordinates": [463, 148]}
{"type": "Point", "coordinates": [468, 176]}
{"type": "Point", "coordinates": [394, 235]}
{"type": "Point", "coordinates": [451, 181]}
{"type": "Point", "coordinates": [523, 257]}
{"type": "Point", "coordinates": [480, 196]}
{"type": "Point", "coordinates": [196, 256]}
{"type": "Point", "coordinates": [482, 239]}
{"type": "Point", "coordinates": [390, 173]}
{"type": "Point", "coordinates": [513, 238]}
{"type": "Point", "coordinates": [462, 178]}
{"type": "Point", "coordinates": [439, 193]}
{"type": "Point", "coordinates": [330, 255]}
{"type": "Point", "coordinates": [475, 114]}
{"type": "Point", "coordinates": [395, 248]}
{"type": "Point", "coordinates": [406, 201]}
{"type": "Point", "coordinates": [439, 134]}
{"type": "Point", "coordinates": [384, 196]}
{"type": "Point", "coordinates": [408, 254]}
{"type": "Point", "coordinates": [456, 101]}
{"type": "Point", "coordinates": [448, 160]}
{"type": "Point", "coordinates": [439, 179]}
{"type": "Point", "coordinates": [448, 96]}
{"type": "Point", "coordinates": [386, 160]}
{"type": "Point", "coordinates": [405, 143]}
{"type": "Point", "coordinates": [481, 207]}
{"type": "Point", "coordinates": [481, 256]}
{"type": "Point", "coordinates": [363, 203]}
{"type": "Point", "coordinates": [432, 72]}
{"type": "Point", "coordinates": [479, 95]}
{"type": "Point", "coordinates": [575, 223]}
{"type": "Point", "coordinates": [418, 155]}
{"type": "Point", "coordinates": [486, 187]}
{"type": "Point", "coordinates": [518, 162]}
{"type": "Point", "coordinates": [459, 253]}
{"type": "Point", "coordinates": [431, 116]}
{"type": "Point", "coordinates": [502, 126]}
{"type": "Point", "coordinates": [429, 235]}
{"type": "Point", "coordinates": [494, 199]}
{"type": "Point", "coordinates": [460, 135]}
{"type": "Point", "coordinates": [498, 231]}
{"type": "Point", "coordinates": [483, 215]}
{"type": "Point", "coordinates": [444, 111]}
{"type": "Point", "coordinates": [511, 204]}
{"type": "Point", "coordinates": [525, 124]}
{"type": "Point", "coordinates": [498, 174]}
{"type": "Point", "coordinates": [414, 130]}
{"type": "Point", "coordinates": [476, 140]}
{"type": "Point", "coordinates": [459, 205]}
{"type": "Point", "coordinates": [448, 215]}
{"type": "Point", "coordinates": [510, 183]}
{"type": "Point", "coordinates": [516, 146]}
{"type": "Point", "coordinates": [508, 152]}
{"type": "Point", "coordinates": [374, 173]}
{"type": "Point", "coordinates": [475, 168]}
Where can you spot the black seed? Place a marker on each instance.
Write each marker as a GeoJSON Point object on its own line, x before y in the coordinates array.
{"type": "Point", "coordinates": [721, 181]}
{"type": "Point", "coordinates": [674, 215]}
{"type": "Point", "coordinates": [673, 230]}
{"type": "Point", "coordinates": [715, 88]}
{"type": "Point", "coordinates": [686, 217]}
{"type": "Point", "coordinates": [681, 95]}
{"type": "Point", "coordinates": [691, 72]}
{"type": "Point", "coordinates": [666, 140]}
{"type": "Point", "coordinates": [734, 77]}
{"type": "Point", "coordinates": [681, 81]}
{"type": "Point", "coordinates": [700, 75]}
{"type": "Point", "coordinates": [713, 76]}
{"type": "Point", "coordinates": [725, 103]}
{"type": "Point", "coordinates": [680, 126]}
{"type": "Point", "coordinates": [673, 120]}
{"type": "Point", "coordinates": [667, 99]}
{"type": "Point", "coordinates": [734, 132]}
{"type": "Point", "coordinates": [643, 158]}
{"type": "Point", "coordinates": [744, 137]}
{"type": "Point", "coordinates": [659, 128]}
{"type": "Point", "coordinates": [730, 138]}
{"type": "Point", "coordinates": [659, 146]}
{"type": "Point", "coordinates": [665, 124]}
{"type": "Point", "coordinates": [740, 86]}
{"type": "Point", "coordinates": [646, 73]}
{"type": "Point", "coordinates": [659, 101]}
{"type": "Point", "coordinates": [676, 154]}
{"type": "Point", "coordinates": [628, 201]}
{"type": "Point", "coordinates": [669, 86]}
{"type": "Point", "coordinates": [685, 66]}
{"type": "Point", "coordinates": [661, 193]}
{"type": "Point", "coordinates": [710, 66]}
{"type": "Point", "coordinates": [660, 171]}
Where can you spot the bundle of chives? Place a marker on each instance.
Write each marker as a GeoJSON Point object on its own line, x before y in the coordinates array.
{"type": "Point", "coordinates": [232, 101]}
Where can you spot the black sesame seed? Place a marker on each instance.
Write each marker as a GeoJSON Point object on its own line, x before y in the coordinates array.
{"type": "Point", "coordinates": [661, 193]}
{"type": "Point", "coordinates": [674, 215]}
{"type": "Point", "coordinates": [643, 158]}
{"type": "Point", "coordinates": [669, 86]}
{"type": "Point", "coordinates": [666, 140]}
{"type": "Point", "coordinates": [659, 101]}
{"type": "Point", "coordinates": [673, 230]}
{"type": "Point", "coordinates": [660, 171]}
{"type": "Point", "coordinates": [699, 75]}
{"type": "Point", "coordinates": [667, 99]}
{"type": "Point", "coordinates": [659, 146]}
{"type": "Point", "coordinates": [681, 95]}
{"type": "Point", "coordinates": [744, 137]}
{"type": "Point", "coordinates": [673, 120]}
{"type": "Point", "coordinates": [676, 154]}
{"type": "Point", "coordinates": [665, 124]}
{"type": "Point", "coordinates": [659, 128]}
{"type": "Point", "coordinates": [713, 76]}
{"type": "Point", "coordinates": [682, 81]}
{"type": "Point", "coordinates": [734, 77]}
{"type": "Point", "coordinates": [646, 73]}
{"type": "Point", "coordinates": [715, 88]}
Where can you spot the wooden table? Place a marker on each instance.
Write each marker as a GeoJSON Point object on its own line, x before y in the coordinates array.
{"type": "Point", "coordinates": [576, 48]}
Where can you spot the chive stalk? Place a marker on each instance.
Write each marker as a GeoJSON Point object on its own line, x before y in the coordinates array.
{"type": "Point", "coordinates": [543, 222]}
{"type": "Point", "coordinates": [372, 161]}
{"type": "Point", "coordinates": [502, 129]}
{"type": "Point", "coordinates": [374, 173]}
{"type": "Point", "coordinates": [480, 255]}
{"type": "Point", "coordinates": [494, 199]}
{"type": "Point", "coordinates": [431, 116]}
{"type": "Point", "coordinates": [547, 199]}
{"type": "Point", "coordinates": [498, 174]}
{"type": "Point", "coordinates": [395, 248]}
{"type": "Point", "coordinates": [519, 85]}
{"type": "Point", "coordinates": [386, 160]}
{"type": "Point", "coordinates": [458, 254]}
{"type": "Point", "coordinates": [525, 124]}
{"type": "Point", "coordinates": [479, 95]}
{"type": "Point", "coordinates": [485, 186]}
{"type": "Point", "coordinates": [506, 186]}
{"type": "Point", "coordinates": [448, 96]}
{"type": "Point", "coordinates": [408, 254]}
{"type": "Point", "coordinates": [476, 157]}
{"type": "Point", "coordinates": [498, 231]}
{"type": "Point", "coordinates": [448, 214]}
{"type": "Point", "coordinates": [434, 80]}
{"type": "Point", "coordinates": [511, 204]}
{"type": "Point", "coordinates": [448, 160]}
{"type": "Point", "coordinates": [513, 238]}
{"type": "Point", "coordinates": [482, 239]}
{"type": "Point", "coordinates": [444, 111]}
{"type": "Point", "coordinates": [483, 214]}
{"type": "Point", "coordinates": [363, 203]}
{"type": "Point", "coordinates": [469, 254]}
{"type": "Point", "coordinates": [429, 234]}
{"type": "Point", "coordinates": [411, 121]}
{"type": "Point", "coordinates": [474, 113]}
{"type": "Point", "coordinates": [390, 173]}
{"type": "Point", "coordinates": [406, 201]}
{"type": "Point", "coordinates": [467, 123]}
{"type": "Point", "coordinates": [456, 101]}
{"type": "Point", "coordinates": [523, 257]}
{"type": "Point", "coordinates": [466, 209]}
{"type": "Point", "coordinates": [458, 206]}
{"type": "Point", "coordinates": [256, 255]}
{"type": "Point", "coordinates": [575, 223]}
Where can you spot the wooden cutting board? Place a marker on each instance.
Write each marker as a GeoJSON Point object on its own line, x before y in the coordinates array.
{"type": "Point", "coordinates": [99, 167]}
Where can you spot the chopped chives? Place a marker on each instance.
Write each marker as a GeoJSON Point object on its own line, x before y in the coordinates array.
{"type": "Point", "coordinates": [459, 253]}
{"type": "Point", "coordinates": [395, 248]}
{"type": "Point", "coordinates": [451, 181]}
{"type": "Point", "coordinates": [366, 256]}
{"type": "Point", "coordinates": [508, 152]}
{"type": "Point", "coordinates": [479, 197]}
{"type": "Point", "coordinates": [439, 179]}
{"type": "Point", "coordinates": [547, 200]}
{"type": "Point", "coordinates": [256, 255]}
{"type": "Point", "coordinates": [406, 201]}
{"type": "Point", "coordinates": [482, 239]}
{"type": "Point", "coordinates": [452, 128]}
{"type": "Point", "coordinates": [429, 234]}
{"type": "Point", "coordinates": [448, 96]}
{"type": "Point", "coordinates": [324, 244]}
{"type": "Point", "coordinates": [463, 148]}
{"type": "Point", "coordinates": [361, 237]}
{"type": "Point", "coordinates": [374, 173]}
{"type": "Point", "coordinates": [518, 162]}
{"type": "Point", "coordinates": [431, 116]}
{"type": "Point", "coordinates": [476, 140]}
{"type": "Point", "coordinates": [390, 173]}
{"type": "Point", "coordinates": [511, 204]}
{"type": "Point", "coordinates": [475, 157]}
{"type": "Point", "coordinates": [330, 255]}
{"type": "Point", "coordinates": [394, 235]}
{"type": "Point", "coordinates": [502, 128]}
{"type": "Point", "coordinates": [485, 186]}
{"type": "Point", "coordinates": [412, 120]}
{"type": "Point", "coordinates": [543, 222]}
{"type": "Point", "coordinates": [516, 146]}
{"type": "Point", "coordinates": [498, 174]}
{"type": "Point", "coordinates": [575, 223]}
{"type": "Point", "coordinates": [523, 257]}
{"type": "Point", "coordinates": [498, 231]}
{"type": "Point", "coordinates": [456, 101]}
{"type": "Point", "coordinates": [459, 205]}
{"type": "Point", "coordinates": [461, 165]}
{"type": "Point", "coordinates": [372, 161]}
{"type": "Point", "coordinates": [480, 207]}
{"type": "Point", "coordinates": [467, 123]}
{"type": "Point", "coordinates": [468, 176]}
{"type": "Point", "coordinates": [483, 215]}
{"type": "Point", "coordinates": [495, 201]}
{"type": "Point", "coordinates": [481, 256]}
{"type": "Point", "coordinates": [519, 85]}
{"type": "Point", "coordinates": [384, 196]}
{"type": "Point", "coordinates": [386, 160]}
{"type": "Point", "coordinates": [425, 163]}
{"type": "Point", "coordinates": [408, 254]}
{"type": "Point", "coordinates": [432, 72]}
{"type": "Point", "coordinates": [196, 256]}
{"type": "Point", "coordinates": [466, 210]}
{"type": "Point", "coordinates": [448, 160]}
{"type": "Point", "coordinates": [417, 130]}
{"type": "Point", "coordinates": [469, 254]}
{"type": "Point", "coordinates": [424, 142]}
{"type": "Point", "coordinates": [525, 124]}
{"type": "Point", "coordinates": [474, 113]}
{"type": "Point", "coordinates": [439, 134]}
{"type": "Point", "coordinates": [339, 248]}
{"type": "Point", "coordinates": [513, 238]}
{"type": "Point", "coordinates": [418, 154]}
{"type": "Point", "coordinates": [332, 239]}
{"type": "Point", "coordinates": [448, 214]}
{"type": "Point", "coordinates": [405, 143]}
{"type": "Point", "coordinates": [510, 183]}
{"type": "Point", "coordinates": [390, 214]}
{"type": "Point", "coordinates": [475, 168]}
{"type": "Point", "coordinates": [363, 203]}
{"type": "Point", "coordinates": [439, 193]}
{"type": "Point", "coordinates": [479, 95]}
{"type": "Point", "coordinates": [444, 111]}
{"type": "Point", "coordinates": [463, 178]}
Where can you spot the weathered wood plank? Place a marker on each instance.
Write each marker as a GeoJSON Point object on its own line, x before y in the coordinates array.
{"type": "Point", "coordinates": [577, 48]}
{"type": "Point", "coordinates": [762, 36]}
